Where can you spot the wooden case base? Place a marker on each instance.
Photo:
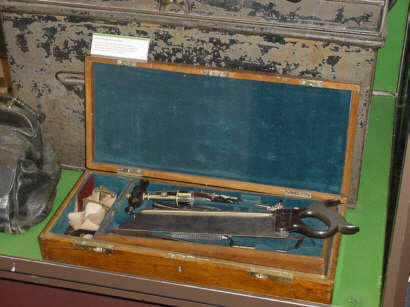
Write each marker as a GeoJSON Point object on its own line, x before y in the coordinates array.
{"type": "Point", "coordinates": [256, 272]}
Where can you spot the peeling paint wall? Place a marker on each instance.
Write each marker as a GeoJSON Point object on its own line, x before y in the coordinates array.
{"type": "Point", "coordinates": [40, 46]}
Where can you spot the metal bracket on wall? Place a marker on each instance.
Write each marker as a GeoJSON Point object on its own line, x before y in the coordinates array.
{"type": "Point", "coordinates": [70, 78]}
{"type": "Point", "coordinates": [384, 93]}
{"type": "Point", "coordinates": [184, 5]}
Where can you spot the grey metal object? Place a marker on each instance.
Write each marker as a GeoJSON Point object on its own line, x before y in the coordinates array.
{"type": "Point", "coordinates": [46, 37]}
{"type": "Point", "coordinates": [173, 236]}
{"type": "Point", "coordinates": [69, 78]}
{"type": "Point", "coordinates": [343, 21]}
{"type": "Point", "coordinates": [29, 171]}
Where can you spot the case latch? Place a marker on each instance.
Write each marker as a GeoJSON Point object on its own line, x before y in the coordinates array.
{"type": "Point", "coordinates": [130, 172]}
{"type": "Point", "coordinates": [93, 246]}
{"type": "Point", "coordinates": [272, 275]}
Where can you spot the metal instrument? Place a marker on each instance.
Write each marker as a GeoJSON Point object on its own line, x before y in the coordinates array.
{"type": "Point", "coordinates": [275, 224]}
{"type": "Point", "coordinates": [181, 199]}
{"type": "Point", "coordinates": [192, 236]}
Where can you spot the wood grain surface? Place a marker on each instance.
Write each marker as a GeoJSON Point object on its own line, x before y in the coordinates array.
{"type": "Point", "coordinates": [194, 270]}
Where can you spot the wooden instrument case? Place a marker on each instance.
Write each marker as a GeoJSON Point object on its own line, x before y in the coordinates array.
{"type": "Point", "coordinates": [171, 104]}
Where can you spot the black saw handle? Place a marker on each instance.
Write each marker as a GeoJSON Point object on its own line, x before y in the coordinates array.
{"type": "Point", "coordinates": [322, 211]}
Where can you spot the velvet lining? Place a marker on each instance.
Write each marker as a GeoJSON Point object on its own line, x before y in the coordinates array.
{"type": "Point", "coordinates": [113, 183]}
{"type": "Point", "coordinates": [309, 246]}
{"type": "Point", "coordinates": [253, 131]}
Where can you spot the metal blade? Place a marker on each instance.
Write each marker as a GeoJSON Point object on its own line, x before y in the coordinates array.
{"type": "Point", "coordinates": [175, 236]}
{"type": "Point", "coordinates": [229, 223]}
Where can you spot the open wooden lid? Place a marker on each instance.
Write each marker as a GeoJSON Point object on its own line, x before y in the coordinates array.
{"type": "Point", "coordinates": [234, 129]}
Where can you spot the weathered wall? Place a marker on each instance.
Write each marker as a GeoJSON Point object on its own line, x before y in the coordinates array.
{"type": "Point", "coordinates": [40, 46]}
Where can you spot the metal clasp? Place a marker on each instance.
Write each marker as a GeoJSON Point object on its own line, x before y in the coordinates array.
{"type": "Point", "coordinates": [93, 246]}
{"type": "Point", "coordinates": [130, 172]}
{"type": "Point", "coordinates": [272, 275]}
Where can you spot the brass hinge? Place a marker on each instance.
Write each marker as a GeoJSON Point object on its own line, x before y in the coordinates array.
{"type": "Point", "coordinates": [215, 73]}
{"type": "Point", "coordinates": [127, 63]}
{"type": "Point", "coordinates": [130, 172]}
{"type": "Point", "coordinates": [97, 247]}
{"type": "Point", "coordinates": [272, 275]}
{"type": "Point", "coordinates": [312, 83]}
{"type": "Point", "coordinates": [298, 194]}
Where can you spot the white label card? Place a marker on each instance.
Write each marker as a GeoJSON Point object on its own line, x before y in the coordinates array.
{"type": "Point", "coordinates": [119, 46]}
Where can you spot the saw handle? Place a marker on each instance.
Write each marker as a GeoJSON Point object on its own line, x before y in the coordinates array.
{"type": "Point", "coordinates": [322, 211]}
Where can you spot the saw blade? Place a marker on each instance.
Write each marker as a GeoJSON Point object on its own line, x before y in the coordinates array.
{"type": "Point", "coordinates": [252, 224]}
